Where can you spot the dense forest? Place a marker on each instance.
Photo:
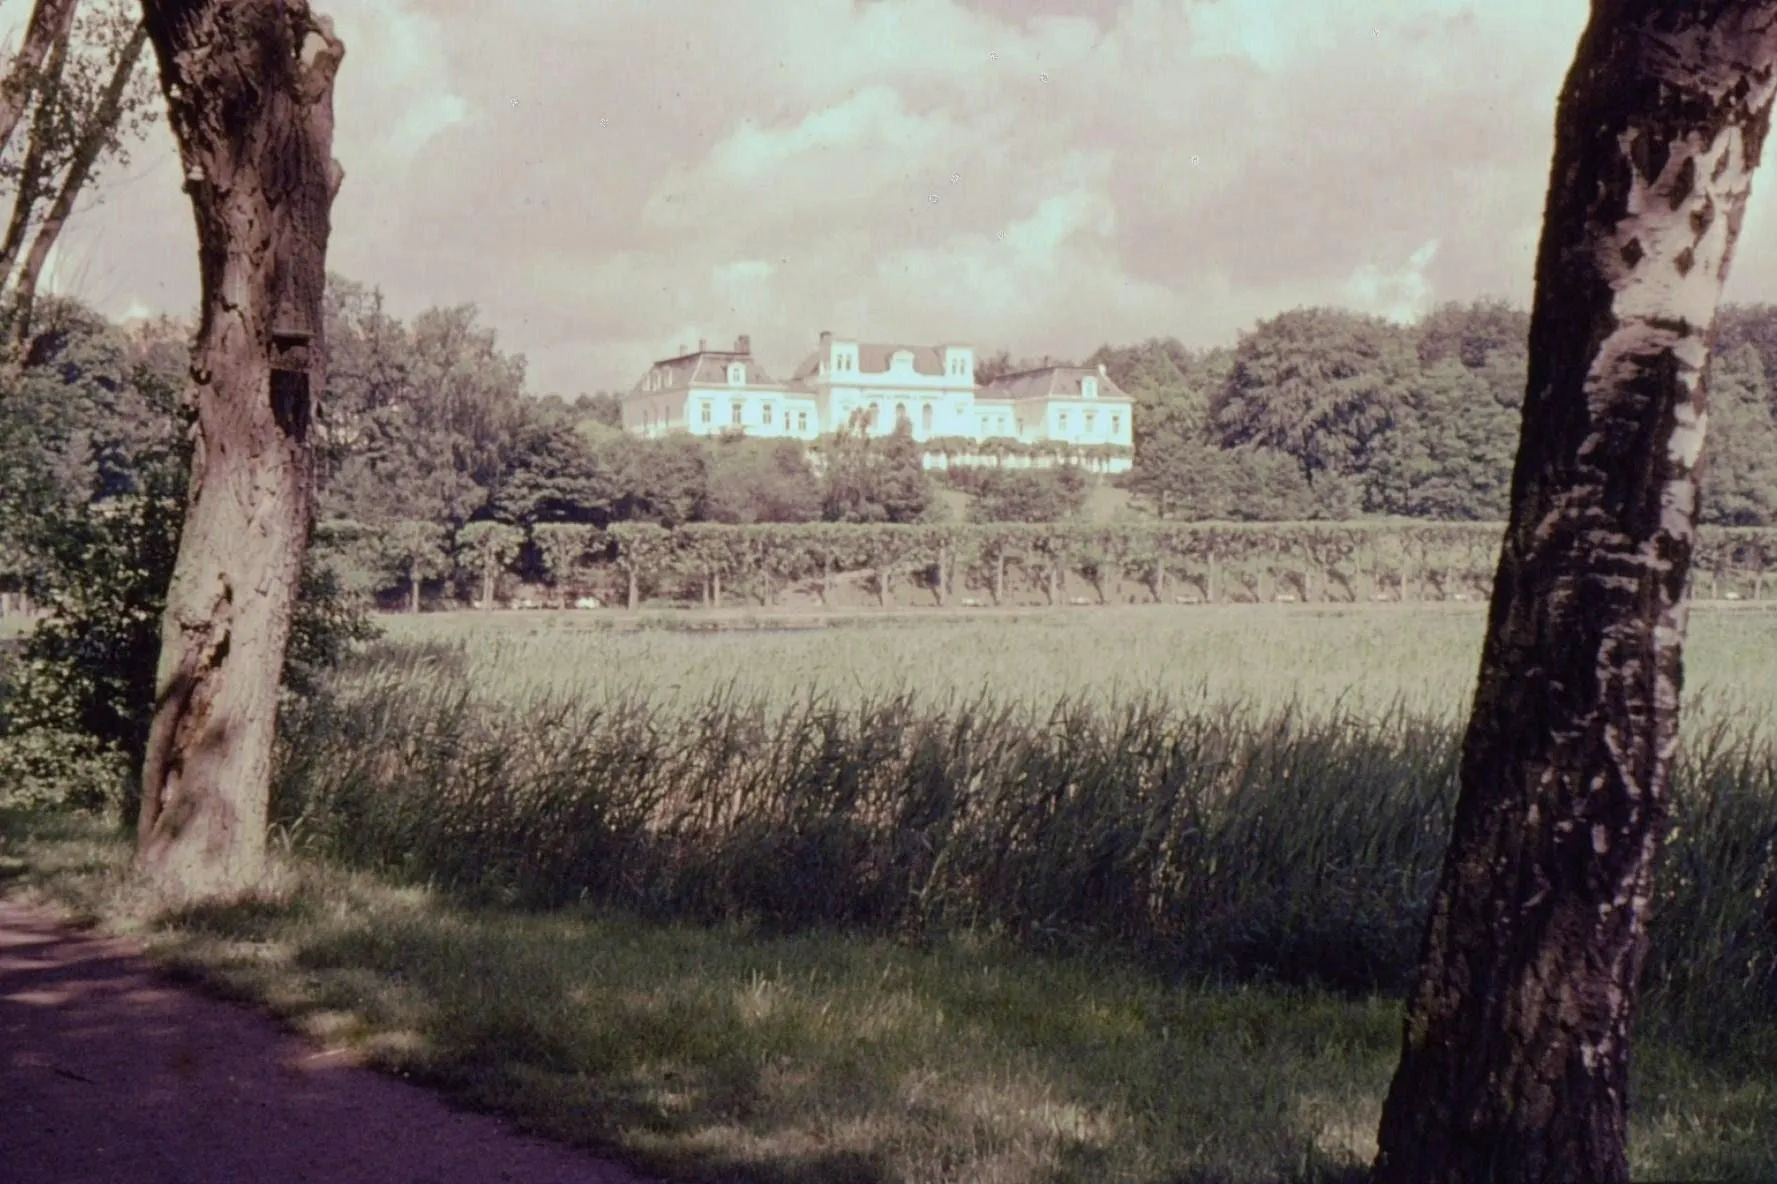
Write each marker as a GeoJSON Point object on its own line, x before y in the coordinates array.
{"type": "Point", "coordinates": [439, 467]}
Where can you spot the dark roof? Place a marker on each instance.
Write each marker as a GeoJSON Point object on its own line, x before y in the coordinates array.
{"type": "Point", "coordinates": [1049, 382]}
{"type": "Point", "coordinates": [707, 367]}
{"type": "Point", "coordinates": [873, 358]}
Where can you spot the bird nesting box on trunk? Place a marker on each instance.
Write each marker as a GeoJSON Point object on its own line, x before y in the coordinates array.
{"type": "Point", "coordinates": [291, 400]}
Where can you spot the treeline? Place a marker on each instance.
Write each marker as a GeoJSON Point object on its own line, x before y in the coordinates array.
{"type": "Point", "coordinates": [986, 563]}
{"type": "Point", "coordinates": [1324, 413]}
{"type": "Point", "coordinates": [444, 471]}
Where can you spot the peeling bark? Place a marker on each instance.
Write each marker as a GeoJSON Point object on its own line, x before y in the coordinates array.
{"type": "Point", "coordinates": [1515, 1054]}
{"type": "Point", "coordinates": [249, 90]}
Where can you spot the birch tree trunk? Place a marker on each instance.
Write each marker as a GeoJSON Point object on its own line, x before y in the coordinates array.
{"type": "Point", "coordinates": [1515, 1054]}
{"type": "Point", "coordinates": [249, 90]}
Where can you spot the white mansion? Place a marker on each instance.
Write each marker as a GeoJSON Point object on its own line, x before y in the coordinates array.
{"type": "Point", "coordinates": [930, 389]}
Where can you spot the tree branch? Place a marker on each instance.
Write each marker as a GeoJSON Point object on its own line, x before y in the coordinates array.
{"type": "Point", "coordinates": [34, 166]}
{"type": "Point", "coordinates": [86, 155]}
{"type": "Point", "coordinates": [51, 22]}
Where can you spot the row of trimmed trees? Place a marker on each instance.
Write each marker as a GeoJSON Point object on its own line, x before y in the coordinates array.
{"type": "Point", "coordinates": [1309, 561]}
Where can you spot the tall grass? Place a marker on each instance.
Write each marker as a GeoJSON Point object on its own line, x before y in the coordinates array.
{"type": "Point", "coordinates": [1216, 840]}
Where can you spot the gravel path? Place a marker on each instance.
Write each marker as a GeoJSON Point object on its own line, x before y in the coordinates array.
{"type": "Point", "coordinates": [110, 1074]}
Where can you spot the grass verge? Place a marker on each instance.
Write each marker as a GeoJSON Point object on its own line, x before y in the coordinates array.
{"type": "Point", "coordinates": [715, 1053]}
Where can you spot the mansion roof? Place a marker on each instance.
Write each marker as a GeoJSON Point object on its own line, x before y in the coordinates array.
{"type": "Point", "coordinates": [709, 368]}
{"type": "Point", "coordinates": [873, 358]}
{"type": "Point", "coordinates": [1046, 382]}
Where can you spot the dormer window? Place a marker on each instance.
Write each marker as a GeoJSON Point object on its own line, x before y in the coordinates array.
{"type": "Point", "coordinates": [1089, 387]}
{"type": "Point", "coordinates": [737, 374]}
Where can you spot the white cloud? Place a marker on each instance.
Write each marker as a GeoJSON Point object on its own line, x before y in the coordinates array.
{"type": "Point", "coordinates": [712, 168]}
{"type": "Point", "coordinates": [1402, 294]}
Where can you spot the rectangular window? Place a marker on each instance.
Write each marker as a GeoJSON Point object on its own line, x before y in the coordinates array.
{"type": "Point", "coordinates": [1061, 421]}
{"type": "Point", "coordinates": [734, 413]}
{"type": "Point", "coordinates": [1116, 425]}
{"type": "Point", "coordinates": [765, 413]}
{"type": "Point", "coordinates": [703, 411]}
{"type": "Point", "coordinates": [1090, 420]}
{"type": "Point", "coordinates": [802, 421]}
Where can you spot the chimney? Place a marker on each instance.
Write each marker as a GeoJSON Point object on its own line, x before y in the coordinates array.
{"type": "Point", "coordinates": [826, 340]}
{"type": "Point", "coordinates": [1101, 372]}
{"type": "Point", "coordinates": [743, 345]}
{"type": "Point", "coordinates": [702, 345]}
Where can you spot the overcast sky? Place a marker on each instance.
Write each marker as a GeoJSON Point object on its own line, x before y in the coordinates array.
{"type": "Point", "coordinates": [610, 179]}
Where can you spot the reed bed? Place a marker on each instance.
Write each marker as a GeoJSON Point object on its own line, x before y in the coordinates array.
{"type": "Point", "coordinates": [1218, 839]}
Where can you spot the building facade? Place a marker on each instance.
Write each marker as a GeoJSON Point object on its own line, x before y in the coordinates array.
{"type": "Point", "coordinates": [931, 390]}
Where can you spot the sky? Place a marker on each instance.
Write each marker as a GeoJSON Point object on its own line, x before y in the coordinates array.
{"type": "Point", "coordinates": [611, 180]}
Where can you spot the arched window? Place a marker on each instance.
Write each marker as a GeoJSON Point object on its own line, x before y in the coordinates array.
{"type": "Point", "coordinates": [875, 415]}
{"type": "Point", "coordinates": [925, 419]}
{"type": "Point", "coordinates": [902, 419]}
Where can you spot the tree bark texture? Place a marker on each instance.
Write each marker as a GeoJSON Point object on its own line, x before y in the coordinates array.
{"type": "Point", "coordinates": [249, 90]}
{"type": "Point", "coordinates": [1515, 1054]}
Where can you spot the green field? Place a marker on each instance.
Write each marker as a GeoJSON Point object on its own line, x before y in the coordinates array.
{"type": "Point", "coordinates": [1366, 658]}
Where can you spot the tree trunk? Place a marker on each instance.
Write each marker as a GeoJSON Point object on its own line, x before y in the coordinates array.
{"type": "Point", "coordinates": [487, 580]}
{"type": "Point", "coordinates": [826, 578]}
{"type": "Point", "coordinates": [86, 155]}
{"type": "Point", "coordinates": [1209, 581]}
{"type": "Point", "coordinates": [716, 588]}
{"type": "Point", "coordinates": [413, 590]}
{"type": "Point", "coordinates": [999, 579]}
{"type": "Point", "coordinates": [635, 597]}
{"type": "Point", "coordinates": [1515, 1054]}
{"type": "Point", "coordinates": [249, 89]}
{"type": "Point", "coordinates": [51, 23]}
{"type": "Point", "coordinates": [1160, 581]}
{"type": "Point", "coordinates": [33, 178]}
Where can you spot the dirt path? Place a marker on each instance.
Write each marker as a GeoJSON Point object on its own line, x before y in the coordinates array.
{"type": "Point", "coordinates": [110, 1074]}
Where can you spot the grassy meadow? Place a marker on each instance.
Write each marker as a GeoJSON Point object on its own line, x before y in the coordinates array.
{"type": "Point", "coordinates": [1106, 894]}
{"type": "Point", "coordinates": [1321, 658]}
